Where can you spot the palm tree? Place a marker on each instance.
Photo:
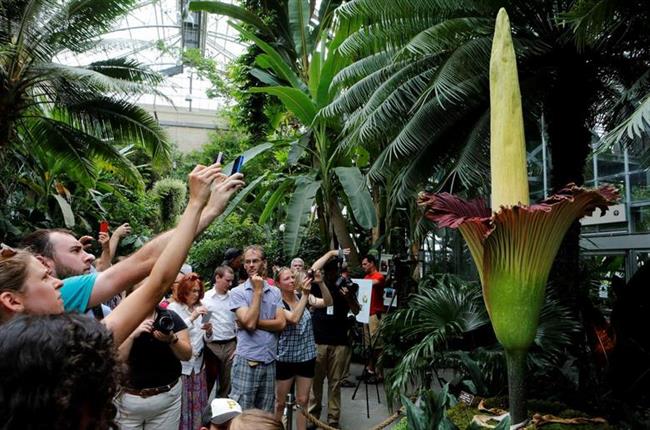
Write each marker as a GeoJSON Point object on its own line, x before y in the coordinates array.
{"type": "Point", "coordinates": [80, 114]}
{"type": "Point", "coordinates": [417, 89]}
{"type": "Point", "coordinates": [298, 61]}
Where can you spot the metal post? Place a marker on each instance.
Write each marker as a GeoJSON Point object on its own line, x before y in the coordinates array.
{"type": "Point", "coordinates": [289, 408]}
{"type": "Point", "coordinates": [628, 191]}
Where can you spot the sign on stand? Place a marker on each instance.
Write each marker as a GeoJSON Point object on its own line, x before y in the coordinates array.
{"type": "Point", "coordinates": [364, 294]}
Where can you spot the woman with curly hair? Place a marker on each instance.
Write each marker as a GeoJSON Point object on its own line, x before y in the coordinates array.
{"type": "Point", "coordinates": [188, 306]}
{"type": "Point", "coordinates": [57, 372]}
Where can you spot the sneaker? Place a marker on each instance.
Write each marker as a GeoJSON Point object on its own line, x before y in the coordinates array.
{"type": "Point", "coordinates": [348, 384]}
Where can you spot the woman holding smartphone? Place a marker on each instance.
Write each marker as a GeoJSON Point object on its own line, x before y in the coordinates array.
{"type": "Point", "coordinates": [188, 306]}
{"type": "Point", "coordinates": [296, 346]}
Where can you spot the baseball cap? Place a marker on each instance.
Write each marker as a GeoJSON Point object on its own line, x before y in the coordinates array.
{"type": "Point", "coordinates": [219, 411]}
{"type": "Point", "coordinates": [186, 269]}
{"type": "Point", "coordinates": [231, 254]}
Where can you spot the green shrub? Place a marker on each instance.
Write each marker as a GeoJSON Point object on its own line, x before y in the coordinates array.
{"type": "Point", "coordinates": [233, 232]}
{"type": "Point", "coordinates": [170, 195]}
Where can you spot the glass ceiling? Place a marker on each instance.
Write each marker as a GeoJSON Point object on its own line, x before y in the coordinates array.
{"type": "Point", "coordinates": [154, 33]}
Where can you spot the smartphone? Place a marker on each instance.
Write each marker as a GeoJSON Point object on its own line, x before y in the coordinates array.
{"type": "Point", "coordinates": [206, 317]}
{"type": "Point", "coordinates": [310, 274]}
{"type": "Point", "coordinates": [103, 227]}
{"type": "Point", "coordinates": [237, 165]}
{"type": "Point", "coordinates": [219, 158]}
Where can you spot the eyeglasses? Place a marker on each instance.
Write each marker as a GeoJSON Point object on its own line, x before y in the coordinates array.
{"type": "Point", "coordinates": [255, 261]}
{"type": "Point", "coordinates": [7, 251]}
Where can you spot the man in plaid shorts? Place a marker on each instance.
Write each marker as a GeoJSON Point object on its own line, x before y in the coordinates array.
{"type": "Point", "coordinates": [258, 308]}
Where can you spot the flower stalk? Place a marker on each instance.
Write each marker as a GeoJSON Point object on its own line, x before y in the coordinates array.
{"type": "Point", "coordinates": [508, 172]}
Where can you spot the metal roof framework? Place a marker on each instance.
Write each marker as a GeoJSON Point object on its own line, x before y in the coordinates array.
{"type": "Point", "coordinates": [155, 33]}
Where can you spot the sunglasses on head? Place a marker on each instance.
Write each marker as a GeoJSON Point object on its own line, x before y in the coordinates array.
{"type": "Point", "coordinates": [7, 251]}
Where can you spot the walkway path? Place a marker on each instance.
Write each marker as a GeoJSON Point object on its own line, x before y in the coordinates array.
{"type": "Point", "coordinates": [353, 412]}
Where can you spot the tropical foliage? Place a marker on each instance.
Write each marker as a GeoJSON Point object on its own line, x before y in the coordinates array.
{"type": "Point", "coordinates": [298, 61]}
{"type": "Point", "coordinates": [69, 134]}
{"type": "Point", "coordinates": [417, 89]}
{"type": "Point", "coordinates": [446, 326]}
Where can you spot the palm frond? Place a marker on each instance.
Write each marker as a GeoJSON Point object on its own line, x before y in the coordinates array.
{"type": "Point", "coordinates": [637, 125]}
{"type": "Point", "coordinates": [591, 20]}
{"type": "Point", "coordinates": [377, 9]}
{"type": "Point", "coordinates": [77, 24]}
{"type": "Point", "coordinates": [362, 68]}
{"type": "Point", "coordinates": [385, 35]}
{"type": "Point", "coordinates": [120, 121]}
{"type": "Point", "coordinates": [97, 78]}
{"type": "Point", "coordinates": [355, 96]}
{"type": "Point", "coordinates": [449, 34]}
{"type": "Point", "coordinates": [445, 309]}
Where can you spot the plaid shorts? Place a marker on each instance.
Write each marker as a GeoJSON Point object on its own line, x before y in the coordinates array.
{"type": "Point", "coordinates": [253, 386]}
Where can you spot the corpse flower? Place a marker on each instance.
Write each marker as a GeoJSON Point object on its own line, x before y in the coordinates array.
{"type": "Point", "coordinates": [514, 246]}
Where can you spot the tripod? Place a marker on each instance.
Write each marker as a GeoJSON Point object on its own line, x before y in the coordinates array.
{"type": "Point", "coordinates": [368, 350]}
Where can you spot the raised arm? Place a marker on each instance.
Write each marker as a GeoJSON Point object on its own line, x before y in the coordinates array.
{"type": "Point", "coordinates": [104, 260]}
{"type": "Point", "coordinates": [293, 316]}
{"type": "Point", "coordinates": [118, 234]}
{"type": "Point", "coordinates": [326, 300]}
{"type": "Point", "coordinates": [320, 263]}
{"type": "Point", "coordinates": [128, 314]}
{"type": "Point", "coordinates": [135, 268]}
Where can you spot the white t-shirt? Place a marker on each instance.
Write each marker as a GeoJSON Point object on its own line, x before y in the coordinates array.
{"type": "Point", "coordinates": [222, 318]}
{"type": "Point", "coordinates": [196, 337]}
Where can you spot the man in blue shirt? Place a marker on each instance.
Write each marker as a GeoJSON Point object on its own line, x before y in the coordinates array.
{"type": "Point", "coordinates": [63, 254]}
{"type": "Point", "coordinates": [258, 308]}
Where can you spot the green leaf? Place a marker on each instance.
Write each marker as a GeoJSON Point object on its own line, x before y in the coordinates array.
{"type": "Point", "coordinates": [279, 66]}
{"type": "Point", "coordinates": [299, 27]}
{"type": "Point", "coordinates": [297, 148]}
{"type": "Point", "coordinates": [231, 11]}
{"type": "Point", "coordinates": [294, 100]}
{"type": "Point", "coordinates": [273, 201]}
{"type": "Point", "coordinates": [249, 155]}
{"type": "Point", "coordinates": [359, 197]}
{"type": "Point", "coordinates": [66, 211]}
{"type": "Point", "coordinates": [239, 197]}
{"type": "Point", "coordinates": [314, 73]}
{"type": "Point", "coordinates": [262, 76]}
{"type": "Point", "coordinates": [298, 213]}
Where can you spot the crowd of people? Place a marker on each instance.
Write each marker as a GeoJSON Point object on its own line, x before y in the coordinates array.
{"type": "Point", "coordinates": [141, 344]}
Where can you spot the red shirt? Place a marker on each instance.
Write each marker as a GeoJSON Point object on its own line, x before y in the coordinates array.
{"type": "Point", "coordinates": [377, 296]}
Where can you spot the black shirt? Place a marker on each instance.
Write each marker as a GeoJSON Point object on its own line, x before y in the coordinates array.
{"type": "Point", "coordinates": [152, 363]}
{"type": "Point", "coordinates": [331, 329]}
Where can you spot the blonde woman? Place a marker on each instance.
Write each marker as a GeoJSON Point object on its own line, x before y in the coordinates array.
{"type": "Point", "coordinates": [297, 347]}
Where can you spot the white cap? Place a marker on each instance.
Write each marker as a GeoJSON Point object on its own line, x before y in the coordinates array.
{"type": "Point", "coordinates": [186, 269]}
{"type": "Point", "coordinates": [224, 410]}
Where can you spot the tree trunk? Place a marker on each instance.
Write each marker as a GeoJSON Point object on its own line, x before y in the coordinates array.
{"type": "Point", "coordinates": [341, 231]}
{"type": "Point", "coordinates": [567, 113]}
{"type": "Point", "coordinates": [378, 203]}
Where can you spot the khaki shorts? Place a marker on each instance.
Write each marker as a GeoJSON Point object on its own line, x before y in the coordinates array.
{"type": "Point", "coordinates": [372, 332]}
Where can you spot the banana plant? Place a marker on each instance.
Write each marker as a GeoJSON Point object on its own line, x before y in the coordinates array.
{"type": "Point", "coordinates": [299, 69]}
{"type": "Point", "coordinates": [514, 243]}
